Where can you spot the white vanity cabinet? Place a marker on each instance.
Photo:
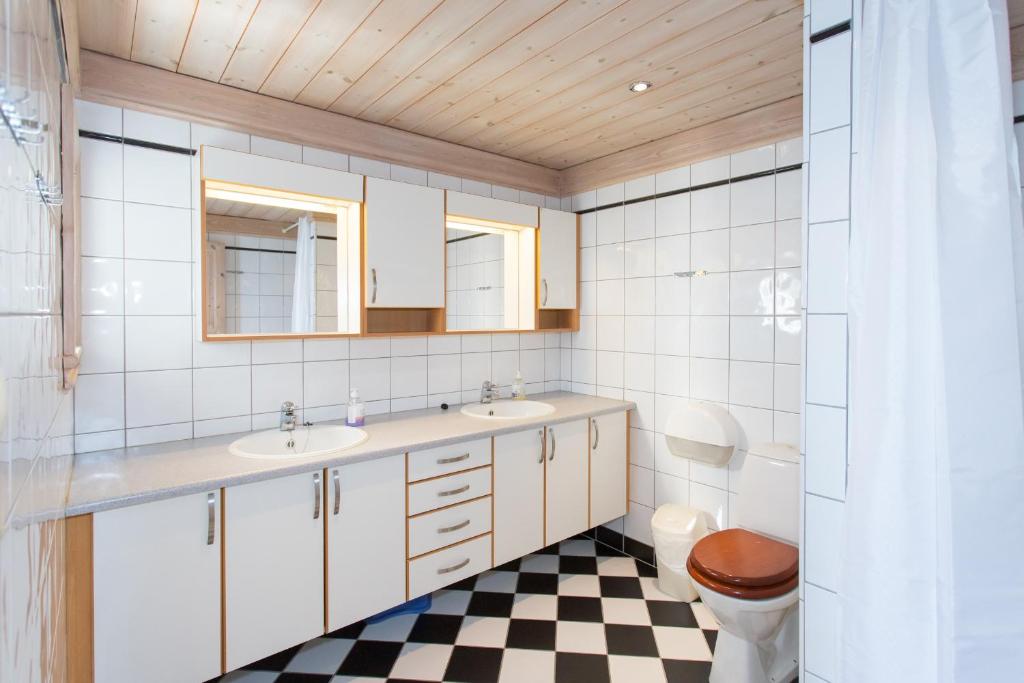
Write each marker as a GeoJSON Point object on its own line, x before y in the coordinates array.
{"type": "Point", "coordinates": [518, 494]}
{"type": "Point", "coordinates": [609, 460]}
{"type": "Point", "coordinates": [567, 489]}
{"type": "Point", "coordinates": [365, 519]}
{"type": "Point", "coordinates": [558, 258]}
{"type": "Point", "coordinates": [234, 575]}
{"type": "Point", "coordinates": [156, 585]}
{"type": "Point", "coordinates": [405, 245]}
{"type": "Point", "coordinates": [273, 566]}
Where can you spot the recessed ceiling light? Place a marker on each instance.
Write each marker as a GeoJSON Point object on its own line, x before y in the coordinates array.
{"type": "Point", "coordinates": [640, 86]}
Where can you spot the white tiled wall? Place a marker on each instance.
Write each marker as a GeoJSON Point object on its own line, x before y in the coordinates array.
{"type": "Point", "coordinates": [145, 379]}
{"type": "Point", "coordinates": [731, 335]}
{"type": "Point", "coordinates": [828, 139]}
{"type": "Point", "coordinates": [35, 414]}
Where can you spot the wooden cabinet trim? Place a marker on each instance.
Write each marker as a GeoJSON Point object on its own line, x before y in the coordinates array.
{"type": "Point", "coordinates": [80, 608]}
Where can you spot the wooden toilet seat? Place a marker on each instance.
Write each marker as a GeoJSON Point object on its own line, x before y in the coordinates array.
{"type": "Point", "coordinates": [744, 565]}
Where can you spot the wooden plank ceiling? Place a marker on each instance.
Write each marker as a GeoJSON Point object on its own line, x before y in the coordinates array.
{"type": "Point", "coordinates": [543, 81]}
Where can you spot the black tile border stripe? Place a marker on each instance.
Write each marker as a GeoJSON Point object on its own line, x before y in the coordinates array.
{"type": "Point", "coordinates": [636, 200]}
{"type": "Point", "coordinates": [694, 188]}
{"type": "Point", "coordinates": [826, 33]}
{"type": "Point", "coordinates": [1019, 118]}
{"type": "Point", "coordinates": [135, 143]}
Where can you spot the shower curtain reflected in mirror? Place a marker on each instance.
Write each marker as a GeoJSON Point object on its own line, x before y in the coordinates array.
{"type": "Point", "coordinates": [304, 285]}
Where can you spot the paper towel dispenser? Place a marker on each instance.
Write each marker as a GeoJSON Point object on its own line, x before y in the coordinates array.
{"type": "Point", "coordinates": [704, 432]}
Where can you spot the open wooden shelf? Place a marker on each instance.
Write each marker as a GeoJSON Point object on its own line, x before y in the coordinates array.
{"type": "Point", "coordinates": [558, 319]}
{"type": "Point", "coordinates": [404, 321]}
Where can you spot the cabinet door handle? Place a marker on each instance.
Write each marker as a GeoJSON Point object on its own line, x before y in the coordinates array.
{"type": "Point", "coordinates": [449, 461]}
{"type": "Point", "coordinates": [454, 567]}
{"type": "Point", "coordinates": [373, 278]}
{"type": "Point", "coordinates": [337, 491]}
{"type": "Point", "coordinates": [453, 492]}
{"type": "Point", "coordinates": [544, 286]}
{"type": "Point", "coordinates": [551, 431]}
{"type": "Point", "coordinates": [543, 443]}
{"type": "Point", "coordinates": [597, 433]}
{"type": "Point", "coordinates": [316, 496]}
{"type": "Point", "coordinates": [211, 517]}
{"type": "Point", "coordinates": [454, 527]}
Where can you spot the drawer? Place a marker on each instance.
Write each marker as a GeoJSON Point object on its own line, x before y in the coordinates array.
{"type": "Point", "coordinates": [437, 493]}
{"type": "Point", "coordinates": [435, 462]}
{"type": "Point", "coordinates": [444, 527]}
{"type": "Point", "coordinates": [448, 566]}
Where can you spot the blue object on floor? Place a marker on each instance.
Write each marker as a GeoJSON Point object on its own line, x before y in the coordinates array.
{"type": "Point", "coordinates": [415, 606]}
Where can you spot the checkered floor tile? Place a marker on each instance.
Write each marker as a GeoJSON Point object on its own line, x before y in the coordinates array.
{"type": "Point", "coordinates": [576, 611]}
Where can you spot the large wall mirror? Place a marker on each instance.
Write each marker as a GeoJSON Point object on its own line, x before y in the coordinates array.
{"type": "Point", "coordinates": [489, 274]}
{"type": "Point", "coordinates": [278, 262]}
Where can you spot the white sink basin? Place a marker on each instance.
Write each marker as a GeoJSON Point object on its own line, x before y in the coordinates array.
{"type": "Point", "coordinates": [308, 442]}
{"type": "Point", "coordinates": [507, 410]}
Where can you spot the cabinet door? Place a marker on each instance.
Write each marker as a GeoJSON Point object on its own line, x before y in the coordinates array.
{"type": "Point", "coordinates": [404, 245]}
{"type": "Point", "coordinates": [567, 487]}
{"type": "Point", "coordinates": [156, 585]}
{"type": "Point", "coordinates": [518, 494]}
{"type": "Point", "coordinates": [273, 566]}
{"type": "Point", "coordinates": [557, 259]}
{"type": "Point", "coordinates": [365, 539]}
{"type": "Point", "coordinates": [609, 459]}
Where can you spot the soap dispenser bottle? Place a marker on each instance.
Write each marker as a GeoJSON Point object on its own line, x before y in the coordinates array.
{"type": "Point", "coordinates": [518, 388]}
{"type": "Point", "coordinates": [356, 416]}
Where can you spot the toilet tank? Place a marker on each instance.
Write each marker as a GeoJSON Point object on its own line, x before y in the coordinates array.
{"type": "Point", "coordinates": [769, 492]}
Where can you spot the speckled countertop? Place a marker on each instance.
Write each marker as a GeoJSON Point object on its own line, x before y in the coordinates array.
{"type": "Point", "coordinates": [128, 476]}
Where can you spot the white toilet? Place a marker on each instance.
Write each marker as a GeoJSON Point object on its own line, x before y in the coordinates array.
{"type": "Point", "coordinates": [747, 576]}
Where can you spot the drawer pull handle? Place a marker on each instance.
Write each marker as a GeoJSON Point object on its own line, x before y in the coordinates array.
{"type": "Point", "coordinates": [453, 492]}
{"type": "Point", "coordinates": [454, 527]}
{"type": "Point", "coordinates": [551, 433]}
{"type": "Point", "coordinates": [597, 433]}
{"type": "Point", "coordinates": [337, 491]}
{"type": "Point", "coordinates": [373, 275]}
{"type": "Point", "coordinates": [449, 461]}
{"type": "Point", "coordinates": [211, 509]}
{"type": "Point", "coordinates": [454, 567]}
{"type": "Point", "coordinates": [543, 446]}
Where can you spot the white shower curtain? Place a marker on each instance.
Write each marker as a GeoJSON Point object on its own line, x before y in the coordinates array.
{"type": "Point", "coordinates": [932, 585]}
{"type": "Point", "coordinates": [304, 287]}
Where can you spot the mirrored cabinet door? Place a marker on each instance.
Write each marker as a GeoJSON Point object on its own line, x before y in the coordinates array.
{"type": "Point", "coordinates": [281, 259]}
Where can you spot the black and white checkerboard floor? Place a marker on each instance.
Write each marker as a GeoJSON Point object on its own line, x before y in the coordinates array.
{"type": "Point", "coordinates": [577, 611]}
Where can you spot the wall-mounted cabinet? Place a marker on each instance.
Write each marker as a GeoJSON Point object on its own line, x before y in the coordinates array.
{"type": "Point", "coordinates": [404, 266]}
{"type": "Point", "coordinates": [292, 249]}
{"type": "Point", "coordinates": [558, 271]}
{"type": "Point", "coordinates": [558, 259]}
{"type": "Point", "coordinates": [280, 247]}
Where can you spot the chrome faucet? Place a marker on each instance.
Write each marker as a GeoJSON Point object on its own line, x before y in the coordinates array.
{"type": "Point", "coordinates": [287, 417]}
{"type": "Point", "coordinates": [489, 391]}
